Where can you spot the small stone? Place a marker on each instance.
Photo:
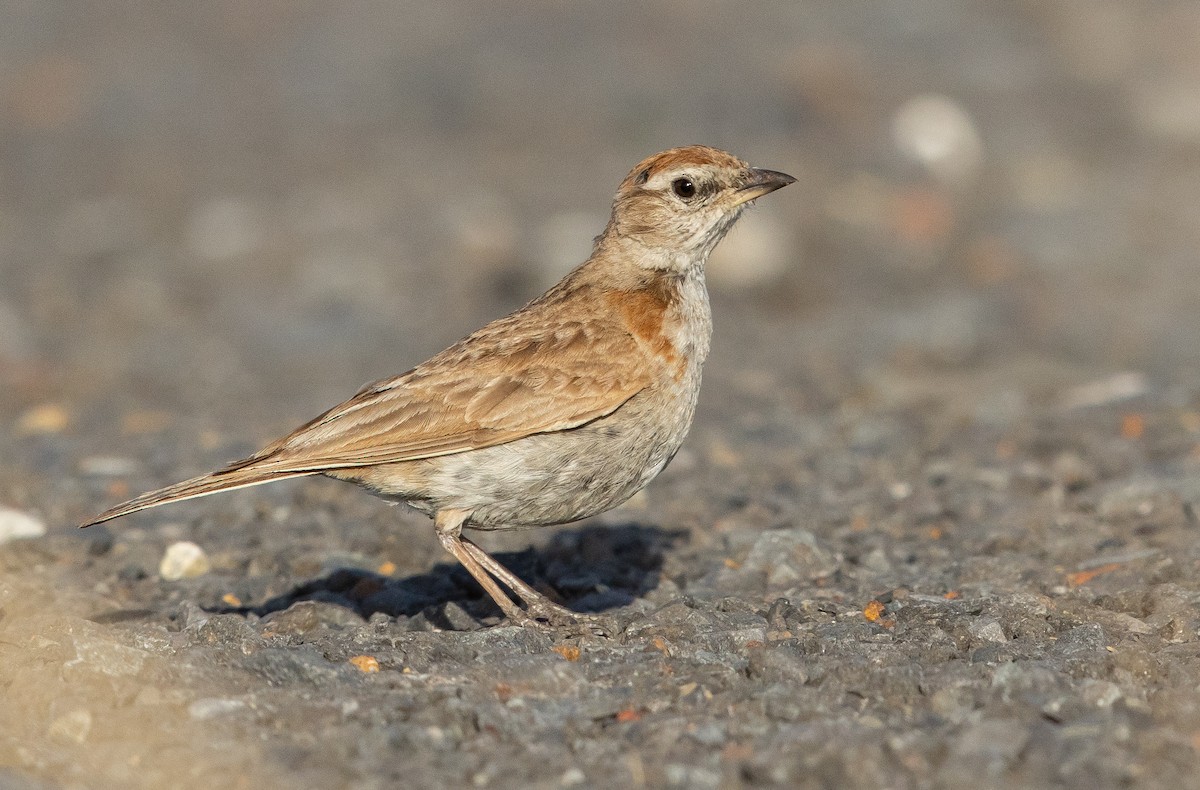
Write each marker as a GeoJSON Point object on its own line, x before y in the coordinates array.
{"type": "Point", "coordinates": [183, 560]}
{"type": "Point", "coordinates": [16, 525]}
{"type": "Point", "coordinates": [1101, 392]}
{"type": "Point", "coordinates": [1130, 624]}
{"type": "Point", "coordinates": [788, 556]}
{"type": "Point", "coordinates": [937, 132]}
{"type": "Point", "coordinates": [365, 664]}
{"type": "Point", "coordinates": [224, 631]}
{"type": "Point", "coordinates": [303, 617]}
{"type": "Point", "coordinates": [458, 618]}
{"type": "Point", "coordinates": [988, 631]}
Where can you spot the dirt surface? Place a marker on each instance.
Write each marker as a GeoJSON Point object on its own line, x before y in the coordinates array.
{"type": "Point", "coordinates": [936, 523]}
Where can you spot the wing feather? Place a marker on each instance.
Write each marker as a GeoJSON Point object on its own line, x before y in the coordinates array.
{"type": "Point", "coordinates": [521, 375]}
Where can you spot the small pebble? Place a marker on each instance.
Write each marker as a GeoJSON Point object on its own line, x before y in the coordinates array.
{"type": "Point", "coordinates": [365, 664]}
{"type": "Point", "coordinates": [988, 631]}
{"type": "Point", "coordinates": [1101, 392]}
{"type": "Point", "coordinates": [787, 556]}
{"type": "Point", "coordinates": [937, 132]}
{"type": "Point", "coordinates": [183, 560]}
{"type": "Point", "coordinates": [17, 525]}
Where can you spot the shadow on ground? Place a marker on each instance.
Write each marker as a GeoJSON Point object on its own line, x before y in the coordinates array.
{"type": "Point", "coordinates": [593, 569]}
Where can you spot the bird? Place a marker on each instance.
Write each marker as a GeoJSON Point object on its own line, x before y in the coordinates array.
{"type": "Point", "coordinates": [556, 412]}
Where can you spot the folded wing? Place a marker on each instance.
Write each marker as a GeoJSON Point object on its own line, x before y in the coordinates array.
{"type": "Point", "coordinates": [474, 394]}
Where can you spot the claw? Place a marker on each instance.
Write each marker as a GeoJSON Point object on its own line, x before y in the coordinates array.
{"type": "Point", "coordinates": [545, 615]}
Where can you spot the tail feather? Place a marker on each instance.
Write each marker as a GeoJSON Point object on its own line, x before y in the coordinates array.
{"type": "Point", "coordinates": [224, 480]}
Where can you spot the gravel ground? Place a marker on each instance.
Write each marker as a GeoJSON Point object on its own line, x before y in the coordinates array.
{"type": "Point", "coordinates": [936, 523]}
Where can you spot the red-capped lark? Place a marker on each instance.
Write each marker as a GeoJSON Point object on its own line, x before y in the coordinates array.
{"type": "Point", "coordinates": [557, 412]}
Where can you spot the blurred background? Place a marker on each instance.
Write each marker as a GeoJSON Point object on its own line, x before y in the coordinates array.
{"type": "Point", "coordinates": [224, 207]}
{"type": "Point", "coordinates": [219, 218]}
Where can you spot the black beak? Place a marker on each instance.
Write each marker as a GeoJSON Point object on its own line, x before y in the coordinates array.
{"type": "Point", "coordinates": [760, 182]}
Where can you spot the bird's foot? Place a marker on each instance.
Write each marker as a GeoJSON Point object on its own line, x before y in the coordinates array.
{"type": "Point", "coordinates": [545, 614]}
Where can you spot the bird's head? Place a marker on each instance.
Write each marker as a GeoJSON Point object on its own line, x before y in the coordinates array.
{"type": "Point", "coordinates": [678, 204]}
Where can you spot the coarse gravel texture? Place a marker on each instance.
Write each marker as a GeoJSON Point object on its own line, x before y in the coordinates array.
{"type": "Point", "coordinates": [935, 525]}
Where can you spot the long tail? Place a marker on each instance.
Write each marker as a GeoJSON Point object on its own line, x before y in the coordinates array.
{"type": "Point", "coordinates": [223, 480]}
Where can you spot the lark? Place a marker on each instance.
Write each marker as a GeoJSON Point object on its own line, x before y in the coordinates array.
{"type": "Point", "coordinates": [556, 412]}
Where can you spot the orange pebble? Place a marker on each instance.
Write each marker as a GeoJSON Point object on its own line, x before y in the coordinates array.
{"type": "Point", "coordinates": [365, 663]}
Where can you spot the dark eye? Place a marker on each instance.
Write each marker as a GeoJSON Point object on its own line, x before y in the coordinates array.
{"type": "Point", "coordinates": [684, 188]}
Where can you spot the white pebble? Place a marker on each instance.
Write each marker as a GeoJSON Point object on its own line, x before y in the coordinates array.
{"type": "Point", "coordinates": [1112, 389]}
{"type": "Point", "coordinates": [183, 560]}
{"type": "Point", "coordinates": [16, 525]}
{"type": "Point", "coordinates": [938, 133]}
